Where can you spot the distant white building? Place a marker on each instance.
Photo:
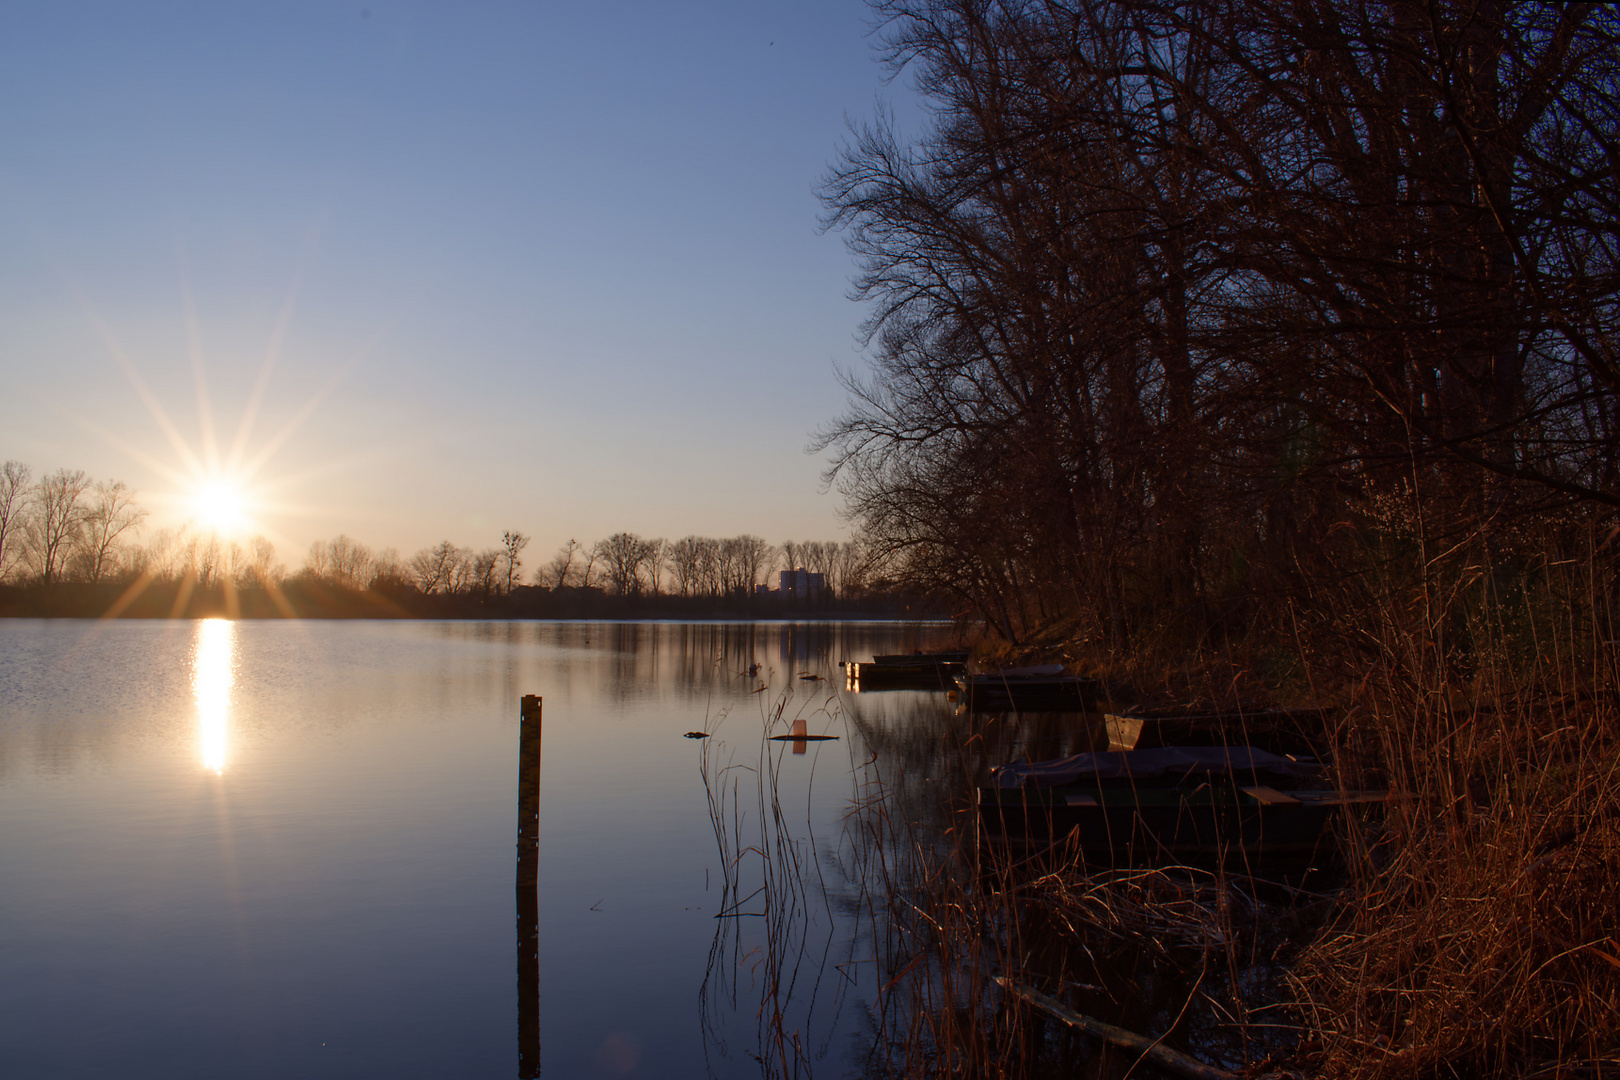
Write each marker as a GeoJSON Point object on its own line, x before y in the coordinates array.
{"type": "Point", "coordinates": [800, 584]}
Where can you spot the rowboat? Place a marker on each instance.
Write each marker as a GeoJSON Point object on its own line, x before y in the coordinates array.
{"type": "Point", "coordinates": [1030, 689]}
{"type": "Point", "coordinates": [1143, 806]}
{"type": "Point", "coordinates": [940, 656]}
{"type": "Point", "coordinates": [907, 671]}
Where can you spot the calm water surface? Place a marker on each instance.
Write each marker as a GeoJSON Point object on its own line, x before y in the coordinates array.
{"type": "Point", "coordinates": [286, 849]}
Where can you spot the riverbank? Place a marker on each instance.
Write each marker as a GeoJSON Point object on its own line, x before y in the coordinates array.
{"type": "Point", "coordinates": [1469, 927]}
{"type": "Point", "coordinates": [302, 599]}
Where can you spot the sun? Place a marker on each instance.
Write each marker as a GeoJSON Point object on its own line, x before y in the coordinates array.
{"type": "Point", "coordinates": [220, 490]}
{"type": "Point", "coordinates": [220, 506]}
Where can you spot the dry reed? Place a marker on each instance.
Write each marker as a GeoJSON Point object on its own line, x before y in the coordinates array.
{"type": "Point", "coordinates": [1474, 929]}
{"type": "Point", "coordinates": [778, 945]}
{"type": "Point", "coordinates": [1481, 934]}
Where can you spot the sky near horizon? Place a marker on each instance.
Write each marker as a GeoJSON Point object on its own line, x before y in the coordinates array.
{"type": "Point", "coordinates": [433, 270]}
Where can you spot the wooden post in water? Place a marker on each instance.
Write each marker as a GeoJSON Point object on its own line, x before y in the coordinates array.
{"type": "Point", "coordinates": [528, 879]}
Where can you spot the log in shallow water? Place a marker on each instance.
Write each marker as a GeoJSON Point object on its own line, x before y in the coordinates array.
{"type": "Point", "coordinates": [1162, 1056]}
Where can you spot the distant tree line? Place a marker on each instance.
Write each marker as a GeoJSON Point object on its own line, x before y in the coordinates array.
{"type": "Point", "coordinates": [1171, 301]}
{"type": "Point", "coordinates": [66, 528]}
{"type": "Point", "coordinates": [700, 566]}
{"type": "Point", "coordinates": [623, 565]}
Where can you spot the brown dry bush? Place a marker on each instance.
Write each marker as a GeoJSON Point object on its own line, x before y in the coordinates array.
{"type": "Point", "coordinates": [1473, 928]}
{"type": "Point", "coordinates": [1482, 931]}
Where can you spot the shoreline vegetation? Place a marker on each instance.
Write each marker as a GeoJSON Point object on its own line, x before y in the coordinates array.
{"type": "Point", "coordinates": [1243, 355]}
{"type": "Point", "coordinates": [305, 599]}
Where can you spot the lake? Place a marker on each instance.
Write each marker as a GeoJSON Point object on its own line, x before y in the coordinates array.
{"type": "Point", "coordinates": [287, 849]}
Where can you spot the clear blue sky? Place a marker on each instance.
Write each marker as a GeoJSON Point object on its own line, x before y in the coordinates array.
{"type": "Point", "coordinates": [549, 266]}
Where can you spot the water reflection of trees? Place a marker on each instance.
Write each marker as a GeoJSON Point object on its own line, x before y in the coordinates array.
{"type": "Point", "coordinates": [691, 660]}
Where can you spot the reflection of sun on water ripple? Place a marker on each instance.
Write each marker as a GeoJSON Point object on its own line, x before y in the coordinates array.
{"type": "Point", "coordinates": [213, 670]}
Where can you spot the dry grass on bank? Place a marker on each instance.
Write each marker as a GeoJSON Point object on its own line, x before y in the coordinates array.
{"type": "Point", "coordinates": [1480, 934]}
{"type": "Point", "coordinates": [1472, 930]}
{"type": "Point", "coordinates": [1482, 941]}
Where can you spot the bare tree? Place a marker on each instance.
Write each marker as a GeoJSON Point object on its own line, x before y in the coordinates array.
{"type": "Point", "coordinates": [14, 491]}
{"type": "Point", "coordinates": [259, 568]}
{"type": "Point", "coordinates": [233, 562]}
{"type": "Point", "coordinates": [110, 513]}
{"type": "Point", "coordinates": [792, 555]}
{"type": "Point", "coordinates": [434, 569]}
{"type": "Point", "coordinates": [686, 562]}
{"type": "Point", "coordinates": [203, 559]}
{"type": "Point", "coordinates": [484, 571]}
{"type": "Point", "coordinates": [559, 572]}
{"type": "Point", "coordinates": [622, 555]}
{"type": "Point", "coordinates": [512, 545]}
{"type": "Point", "coordinates": [753, 557]}
{"type": "Point", "coordinates": [388, 571]}
{"type": "Point", "coordinates": [1163, 282]}
{"type": "Point", "coordinates": [56, 518]}
{"type": "Point", "coordinates": [159, 555]}
{"type": "Point", "coordinates": [317, 562]}
{"type": "Point", "coordinates": [848, 574]}
{"type": "Point", "coordinates": [593, 555]}
{"type": "Point", "coordinates": [819, 557]}
{"type": "Point", "coordinates": [348, 563]}
{"type": "Point", "coordinates": [134, 562]}
{"type": "Point", "coordinates": [652, 559]}
{"type": "Point", "coordinates": [463, 570]}
{"type": "Point", "coordinates": [711, 564]}
{"type": "Point", "coordinates": [727, 567]}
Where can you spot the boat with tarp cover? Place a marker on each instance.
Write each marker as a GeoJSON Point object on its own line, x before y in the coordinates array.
{"type": "Point", "coordinates": [1044, 688]}
{"type": "Point", "coordinates": [1141, 806]}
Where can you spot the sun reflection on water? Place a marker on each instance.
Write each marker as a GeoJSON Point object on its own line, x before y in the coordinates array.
{"type": "Point", "coordinates": [213, 671]}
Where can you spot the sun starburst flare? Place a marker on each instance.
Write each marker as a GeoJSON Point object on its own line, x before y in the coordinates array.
{"type": "Point", "coordinates": [221, 506]}
{"type": "Point", "coordinates": [215, 490]}
{"type": "Point", "coordinates": [216, 501]}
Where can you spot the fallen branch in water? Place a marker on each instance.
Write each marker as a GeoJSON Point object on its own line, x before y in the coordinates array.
{"type": "Point", "coordinates": [1162, 1056]}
